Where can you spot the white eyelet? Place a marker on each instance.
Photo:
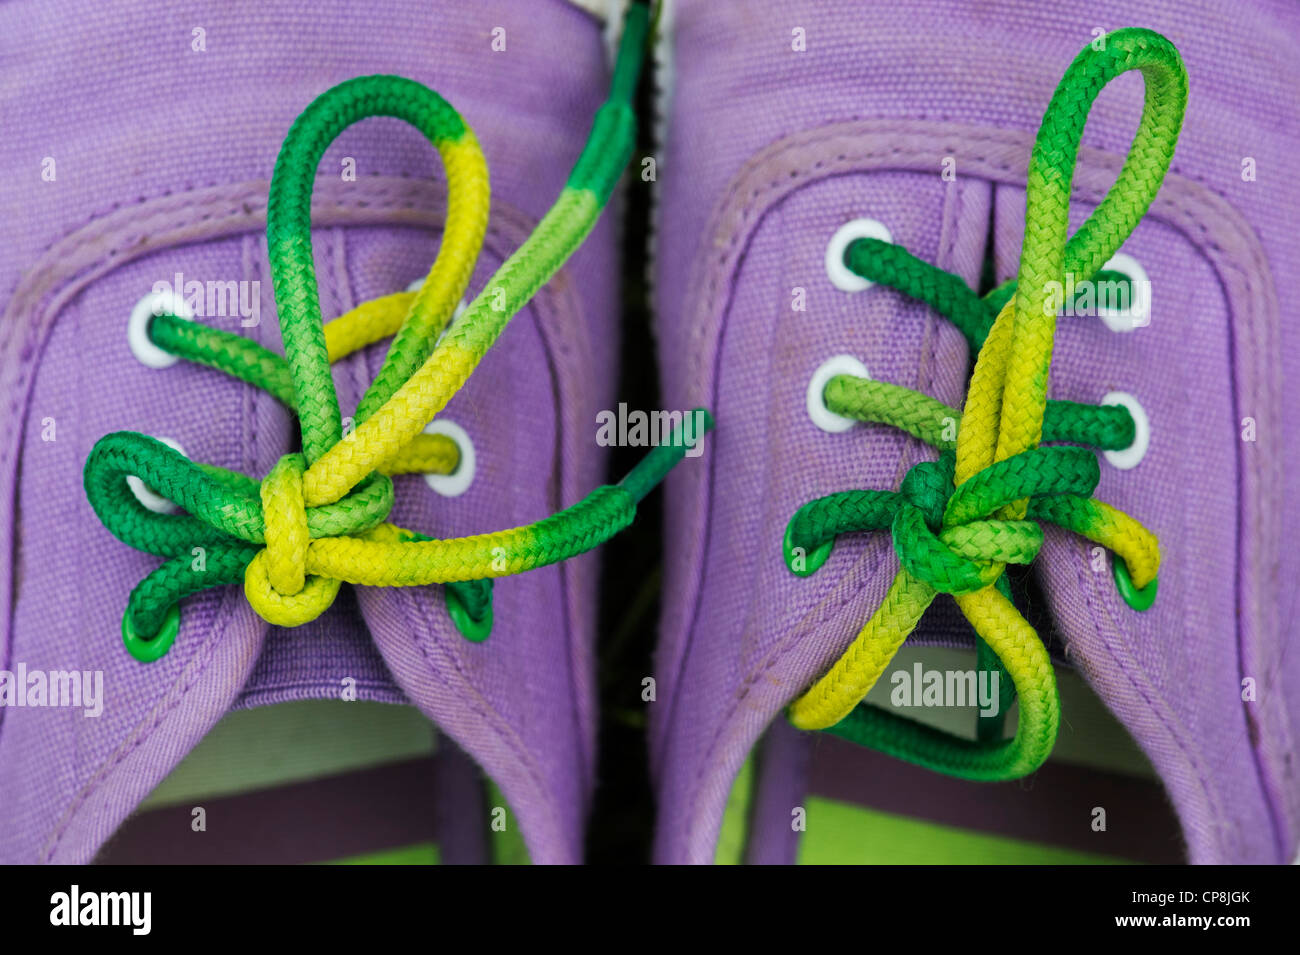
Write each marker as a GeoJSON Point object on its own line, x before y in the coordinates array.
{"type": "Point", "coordinates": [1132, 456]}
{"type": "Point", "coordinates": [458, 482]}
{"type": "Point", "coordinates": [155, 502]}
{"type": "Point", "coordinates": [1138, 313]}
{"type": "Point", "coordinates": [822, 416]}
{"type": "Point", "coordinates": [137, 327]}
{"type": "Point", "coordinates": [839, 274]}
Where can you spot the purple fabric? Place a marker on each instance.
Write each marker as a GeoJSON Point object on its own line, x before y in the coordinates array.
{"type": "Point", "coordinates": [769, 151]}
{"type": "Point", "coordinates": [163, 156]}
{"type": "Point", "coordinates": [780, 785]}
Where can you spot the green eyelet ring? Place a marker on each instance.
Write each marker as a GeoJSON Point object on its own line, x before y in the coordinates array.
{"type": "Point", "coordinates": [475, 631]}
{"type": "Point", "coordinates": [811, 561]}
{"type": "Point", "coordinates": [156, 647]}
{"type": "Point", "coordinates": [1139, 600]}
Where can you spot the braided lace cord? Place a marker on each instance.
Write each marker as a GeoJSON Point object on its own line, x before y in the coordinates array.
{"type": "Point", "coordinates": [318, 518]}
{"type": "Point", "coordinates": [957, 522]}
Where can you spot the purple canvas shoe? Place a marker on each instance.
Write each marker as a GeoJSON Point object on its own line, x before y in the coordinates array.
{"type": "Point", "coordinates": [809, 146]}
{"type": "Point", "coordinates": [144, 172]}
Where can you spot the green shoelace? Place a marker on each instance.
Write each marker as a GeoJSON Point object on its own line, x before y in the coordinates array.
{"type": "Point", "coordinates": [318, 519]}
{"type": "Point", "coordinates": [956, 523]}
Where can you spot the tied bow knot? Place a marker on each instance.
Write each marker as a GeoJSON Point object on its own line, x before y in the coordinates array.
{"type": "Point", "coordinates": [318, 519]}
{"type": "Point", "coordinates": [231, 526]}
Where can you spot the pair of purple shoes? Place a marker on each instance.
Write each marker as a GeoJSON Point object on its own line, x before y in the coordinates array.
{"type": "Point", "coordinates": [139, 147]}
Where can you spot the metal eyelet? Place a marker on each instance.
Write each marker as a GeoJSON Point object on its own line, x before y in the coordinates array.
{"type": "Point", "coordinates": [841, 276]}
{"type": "Point", "coordinates": [459, 311]}
{"type": "Point", "coordinates": [155, 502]}
{"type": "Point", "coordinates": [458, 482]}
{"type": "Point", "coordinates": [822, 416]}
{"type": "Point", "coordinates": [1138, 313]}
{"type": "Point", "coordinates": [1127, 458]}
{"type": "Point", "coordinates": [164, 302]}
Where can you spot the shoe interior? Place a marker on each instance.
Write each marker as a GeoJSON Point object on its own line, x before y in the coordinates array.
{"type": "Point", "coordinates": [813, 798]}
{"type": "Point", "coordinates": [322, 781]}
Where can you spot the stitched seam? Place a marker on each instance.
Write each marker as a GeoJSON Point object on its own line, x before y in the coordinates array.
{"type": "Point", "coordinates": [1099, 609]}
{"type": "Point", "coordinates": [551, 326]}
{"type": "Point", "coordinates": [185, 682]}
{"type": "Point", "coordinates": [713, 287]}
{"type": "Point", "coordinates": [376, 684]}
{"type": "Point", "coordinates": [566, 393]}
{"type": "Point", "coordinates": [46, 295]}
{"type": "Point", "coordinates": [829, 606]}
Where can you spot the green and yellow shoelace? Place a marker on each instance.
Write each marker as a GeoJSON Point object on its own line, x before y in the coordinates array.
{"type": "Point", "coordinates": [318, 518]}
{"type": "Point", "coordinates": [957, 522]}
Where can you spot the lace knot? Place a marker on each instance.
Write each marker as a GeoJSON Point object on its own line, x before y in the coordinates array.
{"type": "Point", "coordinates": [918, 528]}
{"type": "Point", "coordinates": [276, 581]}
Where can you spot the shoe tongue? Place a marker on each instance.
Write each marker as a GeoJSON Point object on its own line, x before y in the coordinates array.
{"type": "Point", "coordinates": [760, 633]}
